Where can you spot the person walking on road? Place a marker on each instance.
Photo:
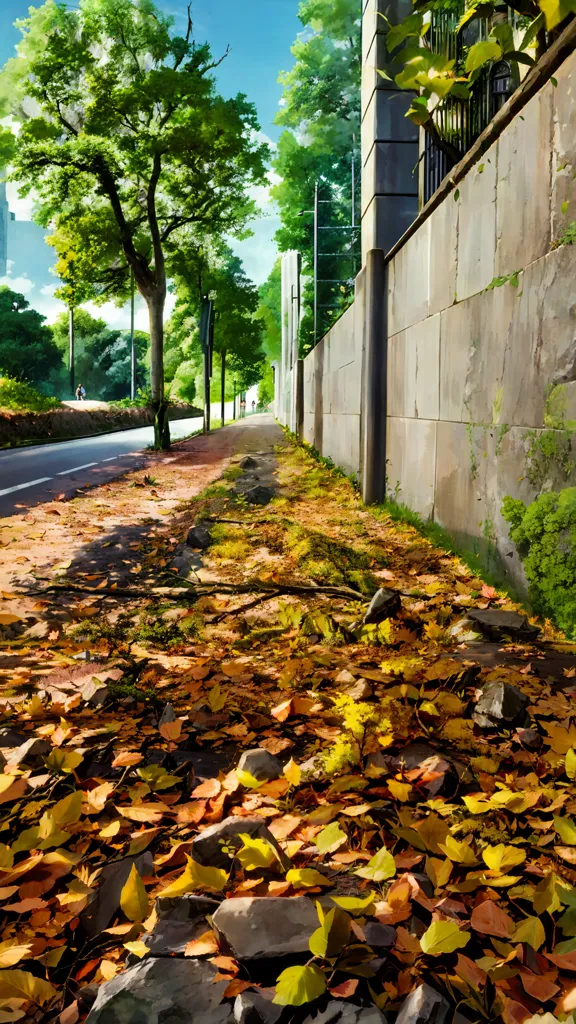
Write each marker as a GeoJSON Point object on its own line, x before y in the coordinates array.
{"type": "Point", "coordinates": [80, 393]}
{"type": "Point", "coordinates": [253, 405]}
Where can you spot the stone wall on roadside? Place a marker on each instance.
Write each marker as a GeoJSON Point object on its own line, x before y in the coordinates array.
{"type": "Point", "coordinates": [66, 423]}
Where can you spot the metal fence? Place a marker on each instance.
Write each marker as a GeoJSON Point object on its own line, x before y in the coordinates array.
{"type": "Point", "coordinates": [460, 122]}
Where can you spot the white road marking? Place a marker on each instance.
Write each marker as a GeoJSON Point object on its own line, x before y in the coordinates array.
{"type": "Point", "coordinates": [21, 487]}
{"type": "Point", "coordinates": [67, 472]}
{"type": "Point", "coordinates": [111, 459]}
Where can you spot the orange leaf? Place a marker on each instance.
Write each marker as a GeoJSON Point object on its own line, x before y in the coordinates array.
{"type": "Point", "coordinates": [143, 812]}
{"type": "Point", "coordinates": [225, 963]}
{"type": "Point", "coordinates": [204, 945]}
{"type": "Point", "coordinates": [345, 989]}
{"type": "Point", "coordinates": [208, 789]}
{"type": "Point", "coordinates": [171, 730]}
{"type": "Point", "coordinates": [565, 961]}
{"type": "Point", "coordinates": [539, 987]}
{"type": "Point", "coordinates": [87, 969]}
{"type": "Point", "coordinates": [26, 906]}
{"type": "Point", "coordinates": [489, 919]}
{"type": "Point", "coordinates": [125, 758]}
{"type": "Point", "coordinates": [14, 792]}
{"type": "Point", "coordinates": [191, 814]}
{"type": "Point", "coordinates": [282, 711]}
{"type": "Point", "coordinates": [235, 988]}
{"type": "Point", "coordinates": [70, 1015]}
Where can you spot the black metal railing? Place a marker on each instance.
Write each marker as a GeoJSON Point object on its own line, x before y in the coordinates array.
{"type": "Point", "coordinates": [460, 122]}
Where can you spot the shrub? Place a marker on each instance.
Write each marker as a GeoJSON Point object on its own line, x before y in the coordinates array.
{"type": "Point", "coordinates": [545, 534]}
{"type": "Point", "coordinates": [18, 395]}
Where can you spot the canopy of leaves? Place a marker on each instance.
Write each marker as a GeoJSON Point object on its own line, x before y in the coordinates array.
{"type": "Point", "coordinates": [102, 357]}
{"type": "Point", "coordinates": [27, 350]}
{"type": "Point", "coordinates": [322, 121]}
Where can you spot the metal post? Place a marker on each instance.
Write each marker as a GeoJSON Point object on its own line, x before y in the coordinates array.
{"type": "Point", "coordinates": [315, 263]}
{"type": "Point", "coordinates": [353, 221]}
{"type": "Point", "coordinates": [375, 382]}
{"type": "Point", "coordinates": [71, 348]}
{"type": "Point", "coordinates": [207, 391]}
{"type": "Point", "coordinates": [234, 408]}
{"type": "Point", "coordinates": [132, 348]}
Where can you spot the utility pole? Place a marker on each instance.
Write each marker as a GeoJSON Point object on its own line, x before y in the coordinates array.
{"type": "Point", "coordinates": [315, 263]}
{"type": "Point", "coordinates": [234, 409]}
{"type": "Point", "coordinates": [206, 341]}
{"type": "Point", "coordinates": [353, 221]}
{"type": "Point", "coordinates": [132, 349]}
{"type": "Point", "coordinates": [71, 348]}
{"type": "Point", "coordinates": [223, 386]}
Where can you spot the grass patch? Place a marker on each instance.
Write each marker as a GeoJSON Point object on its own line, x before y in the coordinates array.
{"type": "Point", "coordinates": [229, 542]}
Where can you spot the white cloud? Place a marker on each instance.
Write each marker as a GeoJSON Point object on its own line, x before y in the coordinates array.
{"type": "Point", "coordinates": [18, 284]}
{"type": "Point", "coordinates": [259, 252]}
{"type": "Point", "coordinates": [48, 290]}
{"type": "Point", "coordinates": [22, 207]}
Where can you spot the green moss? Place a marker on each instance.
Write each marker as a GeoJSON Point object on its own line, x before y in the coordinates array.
{"type": "Point", "coordinates": [229, 542]}
{"type": "Point", "coordinates": [548, 449]}
{"type": "Point", "coordinates": [215, 491]}
{"type": "Point", "coordinates": [545, 534]}
{"type": "Point", "coordinates": [327, 560]}
{"type": "Point", "coordinates": [232, 473]}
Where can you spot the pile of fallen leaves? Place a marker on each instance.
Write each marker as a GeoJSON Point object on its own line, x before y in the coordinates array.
{"type": "Point", "coordinates": [120, 746]}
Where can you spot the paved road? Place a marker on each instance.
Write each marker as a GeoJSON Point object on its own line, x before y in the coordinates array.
{"type": "Point", "coordinates": [30, 476]}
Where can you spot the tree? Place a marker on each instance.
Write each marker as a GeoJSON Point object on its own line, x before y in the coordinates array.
{"type": "Point", "coordinates": [322, 121]}
{"type": "Point", "coordinates": [212, 270]}
{"type": "Point", "coordinates": [27, 350]}
{"type": "Point", "coordinates": [102, 356]}
{"type": "Point", "coordinates": [126, 142]}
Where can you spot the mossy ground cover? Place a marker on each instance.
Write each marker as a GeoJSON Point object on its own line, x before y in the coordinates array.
{"type": "Point", "coordinates": [467, 853]}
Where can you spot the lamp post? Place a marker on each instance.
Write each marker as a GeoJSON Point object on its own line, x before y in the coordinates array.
{"type": "Point", "coordinates": [132, 348]}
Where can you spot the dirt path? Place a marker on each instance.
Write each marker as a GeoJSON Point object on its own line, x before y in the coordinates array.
{"type": "Point", "coordinates": [417, 762]}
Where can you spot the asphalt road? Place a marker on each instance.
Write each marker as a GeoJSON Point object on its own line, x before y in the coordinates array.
{"type": "Point", "coordinates": [30, 476]}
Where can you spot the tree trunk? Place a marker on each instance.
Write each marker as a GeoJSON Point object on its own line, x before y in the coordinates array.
{"type": "Point", "coordinates": [155, 303]}
{"type": "Point", "coordinates": [223, 393]}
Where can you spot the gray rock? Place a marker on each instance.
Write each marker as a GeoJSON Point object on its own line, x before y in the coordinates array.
{"type": "Point", "coordinates": [414, 755]}
{"type": "Point", "coordinates": [424, 1006]}
{"type": "Point", "coordinates": [256, 927]}
{"type": "Point", "coordinates": [95, 692]}
{"type": "Point", "coordinates": [180, 919]}
{"type": "Point", "coordinates": [10, 737]}
{"type": "Point", "coordinates": [199, 537]}
{"type": "Point", "coordinates": [339, 1012]}
{"type": "Point", "coordinates": [208, 848]}
{"type": "Point", "coordinates": [87, 995]}
{"type": "Point", "coordinates": [248, 463]}
{"type": "Point", "coordinates": [384, 605]}
{"type": "Point", "coordinates": [360, 690]}
{"type": "Point", "coordinates": [500, 702]}
{"type": "Point", "coordinates": [259, 495]}
{"type": "Point", "coordinates": [162, 991]}
{"type": "Point", "coordinates": [379, 936]}
{"type": "Point", "coordinates": [530, 738]}
{"type": "Point", "coordinates": [29, 752]}
{"type": "Point", "coordinates": [100, 911]}
{"type": "Point", "coordinates": [498, 625]}
{"type": "Point", "coordinates": [260, 764]}
{"type": "Point", "coordinates": [180, 565]}
{"type": "Point", "coordinates": [168, 715]}
{"type": "Point", "coordinates": [253, 1008]}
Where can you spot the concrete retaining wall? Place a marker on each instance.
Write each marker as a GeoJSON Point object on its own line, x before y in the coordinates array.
{"type": "Point", "coordinates": [66, 423]}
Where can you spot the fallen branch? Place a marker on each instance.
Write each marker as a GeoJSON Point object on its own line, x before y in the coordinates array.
{"type": "Point", "coordinates": [202, 590]}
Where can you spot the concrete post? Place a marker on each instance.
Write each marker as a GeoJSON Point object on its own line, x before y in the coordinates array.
{"type": "Point", "coordinates": [299, 417]}
{"type": "Point", "coordinates": [389, 139]}
{"type": "Point", "coordinates": [374, 384]}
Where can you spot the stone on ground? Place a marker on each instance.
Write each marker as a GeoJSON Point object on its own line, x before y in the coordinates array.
{"type": "Point", "coordinates": [199, 537]}
{"type": "Point", "coordinates": [424, 1006]}
{"type": "Point", "coordinates": [33, 750]}
{"type": "Point", "coordinates": [163, 990]}
{"type": "Point", "coordinates": [180, 919]}
{"type": "Point", "coordinates": [360, 690]}
{"type": "Point", "coordinates": [498, 624]}
{"type": "Point", "coordinates": [248, 463]}
{"type": "Point", "coordinates": [338, 1012]}
{"type": "Point", "coordinates": [259, 495]}
{"type": "Point", "coordinates": [208, 847]}
{"type": "Point", "coordinates": [384, 605]}
{"type": "Point", "coordinates": [256, 927]}
{"type": "Point", "coordinates": [98, 914]}
{"type": "Point", "coordinates": [500, 702]}
{"type": "Point", "coordinates": [253, 1008]}
{"type": "Point", "coordinates": [262, 765]}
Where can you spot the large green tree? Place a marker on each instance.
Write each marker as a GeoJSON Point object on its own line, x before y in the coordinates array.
{"type": "Point", "coordinates": [125, 142]}
{"type": "Point", "coordinates": [321, 115]}
{"type": "Point", "coordinates": [102, 356]}
{"type": "Point", "coordinates": [212, 270]}
{"type": "Point", "coordinates": [27, 350]}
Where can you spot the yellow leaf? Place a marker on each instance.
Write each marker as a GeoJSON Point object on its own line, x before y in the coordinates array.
{"type": "Point", "coordinates": [216, 698]}
{"type": "Point", "coordinates": [6, 857]}
{"type": "Point", "coordinates": [110, 830]}
{"type": "Point", "coordinates": [7, 618]}
{"type": "Point", "coordinates": [500, 858]}
{"type": "Point", "coordinates": [570, 763]}
{"type": "Point", "coordinates": [133, 898]}
{"type": "Point", "coordinates": [546, 896]}
{"type": "Point", "coordinates": [299, 985]}
{"type": "Point", "coordinates": [63, 761]}
{"type": "Point", "coordinates": [292, 772]}
{"type": "Point", "coordinates": [460, 853]}
{"type": "Point", "coordinates": [196, 876]}
{"type": "Point", "coordinates": [306, 877]}
{"type": "Point", "coordinates": [566, 829]}
{"type": "Point", "coordinates": [477, 805]}
{"type": "Point", "coordinates": [379, 868]}
{"type": "Point", "coordinates": [23, 985]}
{"type": "Point", "coordinates": [247, 780]}
{"type": "Point", "coordinates": [256, 853]}
{"type": "Point", "coordinates": [11, 953]}
{"type": "Point", "coordinates": [443, 937]}
{"type": "Point", "coordinates": [355, 904]}
{"type": "Point", "coordinates": [139, 948]}
{"type": "Point", "coordinates": [330, 838]}
{"type": "Point", "coordinates": [108, 969]}
{"type": "Point", "coordinates": [68, 809]}
{"type": "Point", "coordinates": [531, 930]}
{"type": "Point", "coordinates": [400, 790]}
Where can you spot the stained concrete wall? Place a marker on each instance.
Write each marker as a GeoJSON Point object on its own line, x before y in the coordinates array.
{"type": "Point", "coordinates": [476, 372]}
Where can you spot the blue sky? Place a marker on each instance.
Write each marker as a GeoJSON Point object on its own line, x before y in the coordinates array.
{"type": "Point", "coordinates": [260, 34]}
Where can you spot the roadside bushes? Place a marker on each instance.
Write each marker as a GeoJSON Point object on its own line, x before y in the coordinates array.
{"type": "Point", "coordinates": [17, 395]}
{"type": "Point", "coordinates": [545, 535]}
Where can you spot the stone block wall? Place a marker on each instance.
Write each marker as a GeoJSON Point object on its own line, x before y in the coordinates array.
{"type": "Point", "coordinates": [478, 368]}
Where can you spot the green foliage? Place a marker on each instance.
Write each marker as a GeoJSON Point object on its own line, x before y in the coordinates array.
{"type": "Point", "coordinates": [322, 121]}
{"type": "Point", "coordinates": [545, 534]}
{"type": "Point", "coordinates": [498, 282]}
{"type": "Point", "coordinates": [19, 396]}
{"type": "Point", "coordinates": [568, 237]}
{"type": "Point", "coordinates": [548, 450]}
{"type": "Point", "coordinates": [27, 351]}
{"type": "Point", "coordinates": [360, 723]}
{"type": "Point", "coordinates": [102, 357]}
